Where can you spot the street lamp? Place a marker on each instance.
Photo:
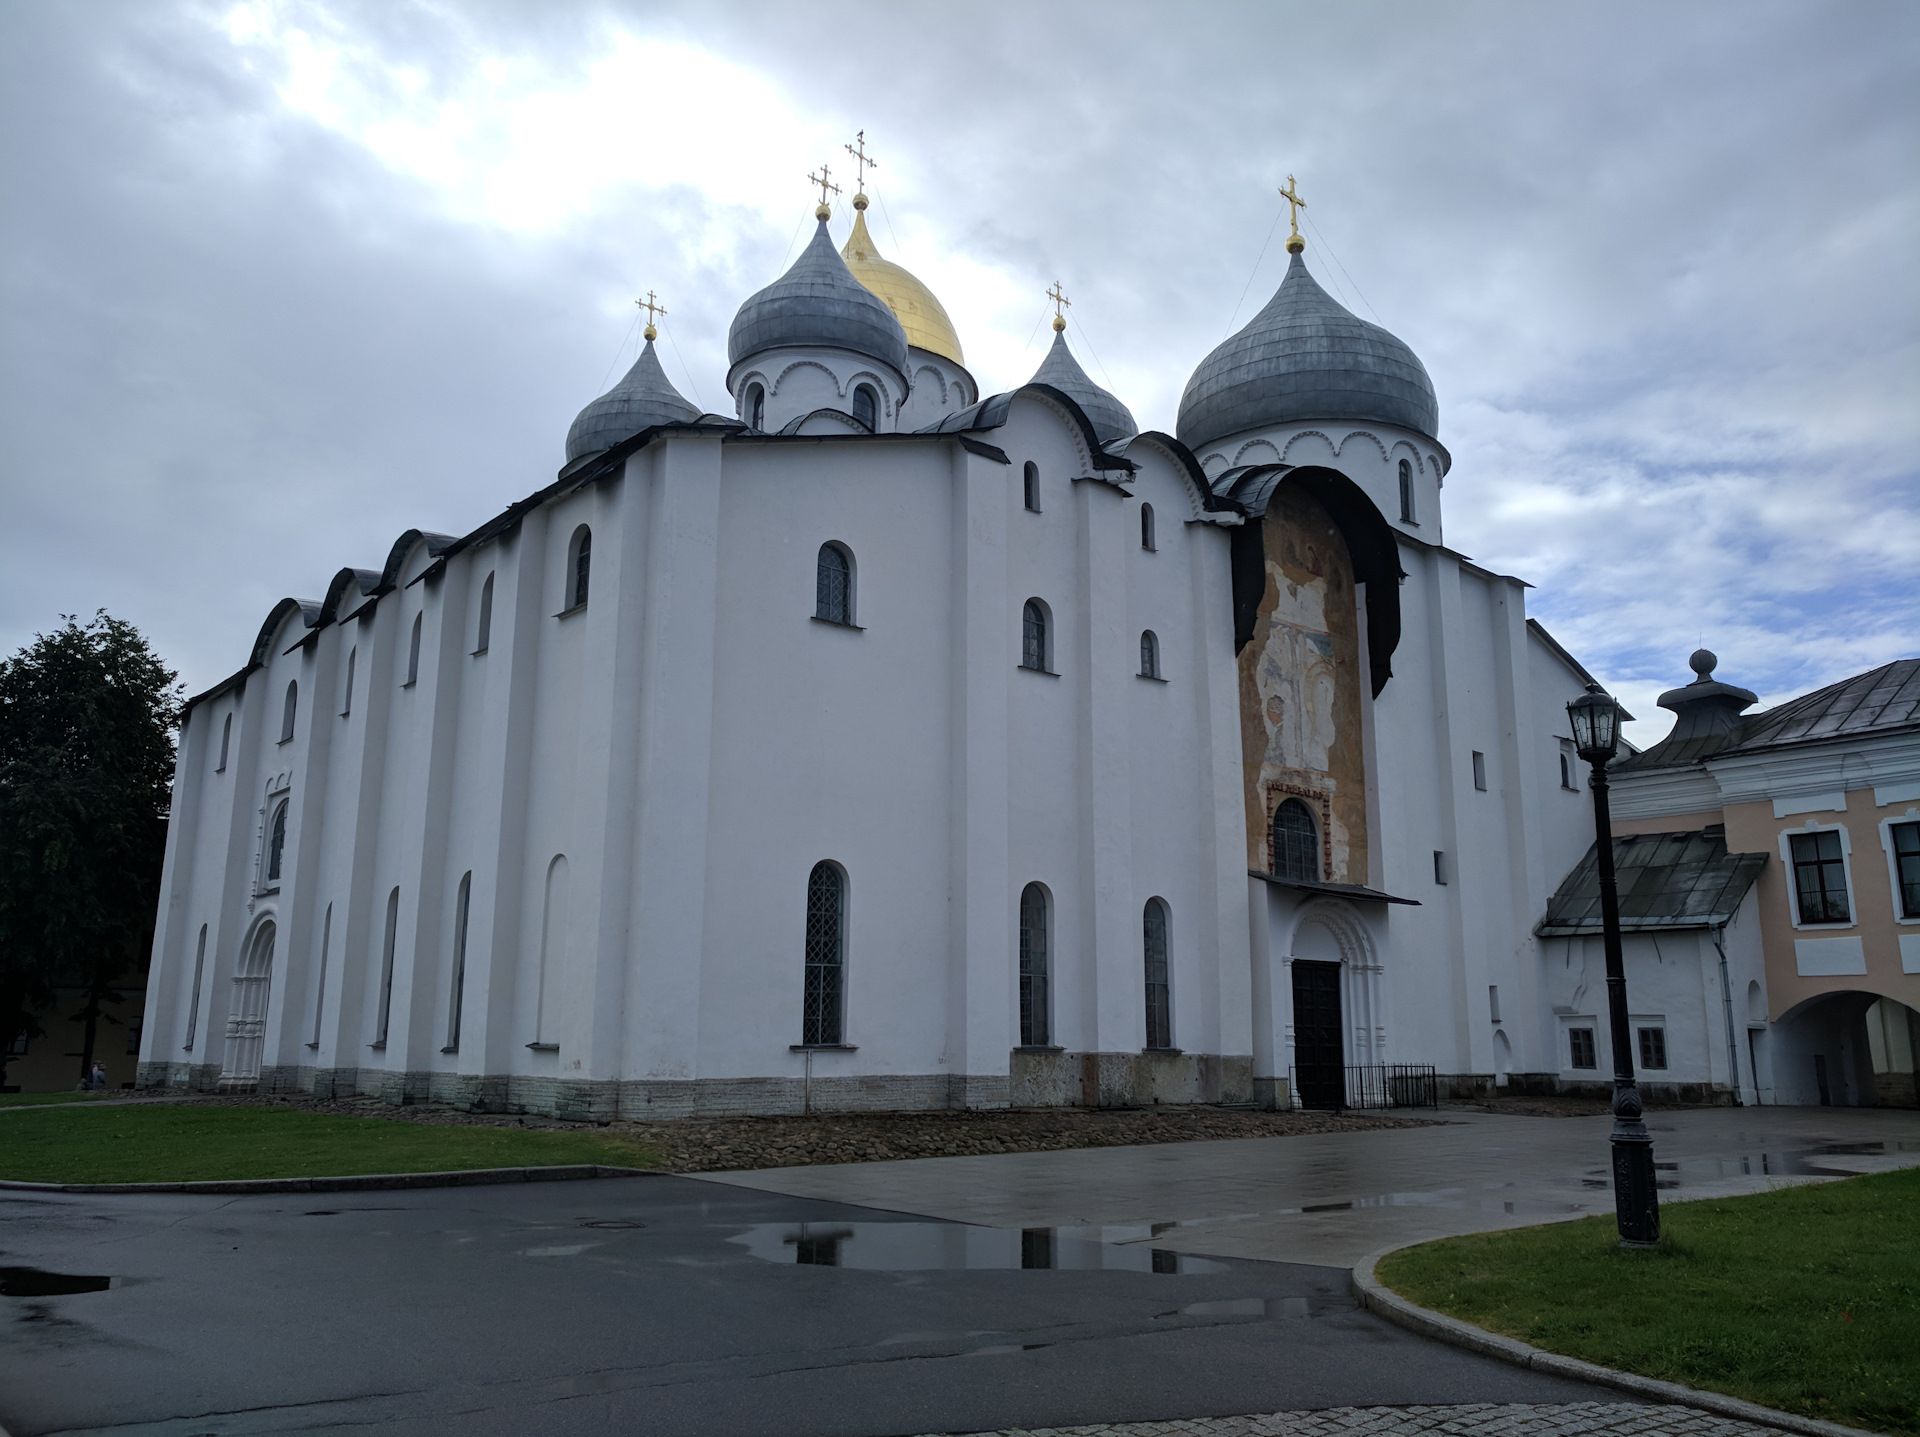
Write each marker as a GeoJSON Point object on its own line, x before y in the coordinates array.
{"type": "Point", "coordinates": [1636, 1200]}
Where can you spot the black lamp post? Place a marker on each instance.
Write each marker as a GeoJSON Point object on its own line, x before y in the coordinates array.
{"type": "Point", "coordinates": [1636, 1200]}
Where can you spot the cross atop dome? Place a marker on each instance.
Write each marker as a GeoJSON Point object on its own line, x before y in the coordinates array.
{"type": "Point", "coordinates": [654, 310]}
{"type": "Point", "coordinates": [862, 163]}
{"type": "Point", "coordinates": [1295, 244]}
{"type": "Point", "coordinates": [1061, 304]}
{"type": "Point", "coordinates": [825, 180]}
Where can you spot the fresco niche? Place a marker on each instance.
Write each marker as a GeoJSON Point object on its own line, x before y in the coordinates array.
{"type": "Point", "coordinates": [1301, 687]}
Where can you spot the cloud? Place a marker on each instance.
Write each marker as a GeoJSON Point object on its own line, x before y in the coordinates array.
{"type": "Point", "coordinates": [283, 279]}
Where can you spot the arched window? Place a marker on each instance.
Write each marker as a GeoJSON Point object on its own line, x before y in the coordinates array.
{"type": "Point", "coordinates": [1146, 527]}
{"type": "Point", "coordinates": [290, 711]}
{"type": "Point", "coordinates": [1033, 636]}
{"type": "Point", "coordinates": [346, 701]}
{"type": "Point", "coordinates": [276, 841]}
{"type": "Point", "coordinates": [1030, 485]}
{"type": "Point", "coordinates": [226, 733]}
{"type": "Point", "coordinates": [1149, 655]}
{"type": "Point", "coordinates": [826, 953]}
{"type": "Point", "coordinates": [485, 634]}
{"type": "Point", "coordinates": [1296, 842]}
{"type": "Point", "coordinates": [413, 654]}
{"type": "Point", "coordinates": [833, 585]}
{"type": "Point", "coordinates": [460, 904]}
{"type": "Point", "coordinates": [386, 967]}
{"type": "Point", "coordinates": [756, 407]}
{"type": "Point", "coordinates": [866, 406]}
{"type": "Point", "coordinates": [1035, 1009]}
{"type": "Point", "coordinates": [582, 562]}
{"type": "Point", "coordinates": [1153, 923]}
{"type": "Point", "coordinates": [1406, 492]}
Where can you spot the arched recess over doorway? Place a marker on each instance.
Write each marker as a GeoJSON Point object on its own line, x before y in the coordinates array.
{"type": "Point", "coordinates": [247, 1013]}
{"type": "Point", "coordinates": [1334, 973]}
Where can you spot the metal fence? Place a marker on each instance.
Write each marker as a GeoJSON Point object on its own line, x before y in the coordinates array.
{"type": "Point", "coordinates": [1376, 1085]}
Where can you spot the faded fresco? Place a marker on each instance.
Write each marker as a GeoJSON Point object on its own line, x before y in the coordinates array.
{"type": "Point", "coordinates": [1301, 687]}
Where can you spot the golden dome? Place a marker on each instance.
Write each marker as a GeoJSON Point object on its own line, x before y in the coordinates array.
{"type": "Point", "coordinates": [920, 314]}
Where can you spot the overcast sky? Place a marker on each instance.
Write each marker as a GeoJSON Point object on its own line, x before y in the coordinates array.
{"type": "Point", "coordinates": [282, 280]}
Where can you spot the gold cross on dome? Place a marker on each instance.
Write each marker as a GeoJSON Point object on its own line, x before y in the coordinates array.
{"type": "Point", "coordinates": [862, 160]}
{"type": "Point", "coordinates": [825, 180]}
{"type": "Point", "coordinates": [654, 311]}
{"type": "Point", "coordinates": [1294, 204]}
{"type": "Point", "coordinates": [1061, 304]}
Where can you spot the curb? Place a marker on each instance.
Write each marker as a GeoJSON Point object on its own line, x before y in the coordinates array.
{"type": "Point", "coordinates": [368, 1182]}
{"type": "Point", "coordinates": [1397, 1309]}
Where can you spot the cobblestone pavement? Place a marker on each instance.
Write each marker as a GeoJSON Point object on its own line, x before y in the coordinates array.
{"type": "Point", "coordinates": [1481, 1419]}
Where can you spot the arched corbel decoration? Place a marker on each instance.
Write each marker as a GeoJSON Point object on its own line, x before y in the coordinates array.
{"type": "Point", "coordinates": [1371, 543]}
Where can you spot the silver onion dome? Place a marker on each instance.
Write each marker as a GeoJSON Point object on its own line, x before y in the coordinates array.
{"type": "Point", "coordinates": [819, 303]}
{"type": "Point", "coordinates": [1305, 357]}
{"type": "Point", "coordinates": [1110, 418]}
{"type": "Point", "coordinates": [641, 400]}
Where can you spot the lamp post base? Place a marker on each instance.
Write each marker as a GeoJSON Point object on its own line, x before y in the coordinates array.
{"type": "Point", "coordinates": [1636, 1193]}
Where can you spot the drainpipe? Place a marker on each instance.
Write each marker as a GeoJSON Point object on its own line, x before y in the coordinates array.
{"type": "Point", "coordinates": [1726, 1007]}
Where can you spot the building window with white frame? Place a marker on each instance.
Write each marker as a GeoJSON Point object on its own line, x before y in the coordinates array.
{"type": "Point", "coordinates": [1905, 842]}
{"type": "Point", "coordinates": [1581, 1050]}
{"type": "Point", "coordinates": [1820, 877]}
{"type": "Point", "coordinates": [1653, 1046]}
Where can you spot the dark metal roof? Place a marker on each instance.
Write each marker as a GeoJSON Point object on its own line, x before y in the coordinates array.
{"type": "Point", "coordinates": [644, 398]}
{"type": "Point", "coordinates": [1882, 700]}
{"type": "Point", "coordinates": [1110, 418]}
{"type": "Point", "coordinates": [819, 302]}
{"type": "Point", "coordinates": [1337, 890]}
{"type": "Point", "coordinates": [1666, 880]}
{"type": "Point", "coordinates": [1306, 357]}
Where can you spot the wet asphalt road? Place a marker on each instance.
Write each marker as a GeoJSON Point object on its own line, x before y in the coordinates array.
{"type": "Point", "coordinates": [660, 1305]}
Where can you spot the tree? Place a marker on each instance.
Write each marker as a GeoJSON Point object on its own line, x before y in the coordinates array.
{"type": "Point", "coordinates": [87, 715]}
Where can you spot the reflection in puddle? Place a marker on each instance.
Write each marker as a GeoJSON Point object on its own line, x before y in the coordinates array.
{"type": "Point", "coordinates": [1249, 1307]}
{"type": "Point", "coordinates": [32, 1282]}
{"type": "Point", "coordinates": [923, 1246]}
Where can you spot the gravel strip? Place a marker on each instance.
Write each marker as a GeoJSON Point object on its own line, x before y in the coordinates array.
{"type": "Point", "coordinates": [697, 1145]}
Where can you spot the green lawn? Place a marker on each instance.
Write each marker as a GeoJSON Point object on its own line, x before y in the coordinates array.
{"type": "Point", "coordinates": [1807, 1299]}
{"type": "Point", "coordinates": [188, 1142]}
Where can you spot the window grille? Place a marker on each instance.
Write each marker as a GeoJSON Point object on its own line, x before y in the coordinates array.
{"type": "Point", "coordinates": [276, 842]}
{"type": "Point", "coordinates": [1146, 527]}
{"type": "Point", "coordinates": [1149, 655]}
{"type": "Point", "coordinates": [1159, 990]}
{"type": "Point", "coordinates": [866, 408]}
{"type": "Point", "coordinates": [1030, 485]}
{"type": "Point", "coordinates": [1296, 842]}
{"type": "Point", "coordinates": [288, 713]}
{"type": "Point", "coordinates": [1035, 1028]}
{"type": "Point", "coordinates": [1906, 859]}
{"type": "Point", "coordinates": [1406, 492]}
{"type": "Point", "coordinates": [833, 586]}
{"type": "Point", "coordinates": [1581, 1049]}
{"type": "Point", "coordinates": [582, 564]}
{"type": "Point", "coordinates": [485, 636]}
{"type": "Point", "coordinates": [1033, 637]}
{"type": "Point", "coordinates": [1820, 877]}
{"type": "Point", "coordinates": [826, 920]}
{"type": "Point", "coordinates": [1653, 1047]}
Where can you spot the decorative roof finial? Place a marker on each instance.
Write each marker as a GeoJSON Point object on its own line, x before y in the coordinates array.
{"type": "Point", "coordinates": [825, 180]}
{"type": "Point", "coordinates": [1294, 205]}
{"type": "Point", "coordinates": [654, 311]}
{"type": "Point", "coordinates": [1061, 304]}
{"type": "Point", "coordinates": [862, 163]}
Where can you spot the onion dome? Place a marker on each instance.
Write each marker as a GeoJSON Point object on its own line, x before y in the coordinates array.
{"type": "Point", "coordinates": [1110, 418]}
{"type": "Point", "coordinates": [1304, 357]}
{"type": "Point", "coordinates": [921, 315]}
{"type": "Point", "coordinates": [641, 400]}
{"type": "Point", "coordinates": [818, 304]}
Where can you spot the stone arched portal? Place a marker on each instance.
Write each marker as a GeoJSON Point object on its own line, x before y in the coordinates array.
{"type": "Point", "coordinates": [247, 1015]}
{"type": "Point", "coordinates": [1334, 992]}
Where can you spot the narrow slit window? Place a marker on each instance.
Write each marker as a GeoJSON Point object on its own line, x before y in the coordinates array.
{"type": "Point", "coordinates": [413, 654]}
{"type": "Point", "coordinates": [833, 585]}
{"type": "Point", "coordinates": [820, 1024]}
{"type": "Point", "coordinates": [582, 566]}
{"type": "Point", "coordinates": [1406, 493]}
{"type": "Point", "coordinates": [346, 700]}
{"type": "Point", "coordinates": [289, 711]}
{"type": "Point", "coordinates": [276, 841]}
{"type": "Point", "coordinates": [866, 406]}
{"type": "Point", "coordinates": [1159, 994]}
{"type": "Point", "coordinates": [1439, 866]}
{"type": "Point", "coordinates": [1149, 655]}
{"type": "Point", "coordinates": [1146, 527]}
{"type": "Point", "coordinates": [386, 967]}
{"type": "Point", "coordinates": [1035, 1027]}
{"type": "Point", "coordinates": [1033, 636]}
{"type": "Point", "coordinates": [226, 734]}
{"type": "Point", "coordinates": [193, 1008]}
{"type": "Point", "coordinates": [320, 988]}
{"type": "Point", "coordinates": [459, 987]}
{"type": "Point", "coordinates": [756, 407]}
{"type": "Point", "coordinates": [484, 637]}
{"type": "Point", "coordinates": [1480, 770]}
{"type": "Point", "coordinates": [1030, 485]}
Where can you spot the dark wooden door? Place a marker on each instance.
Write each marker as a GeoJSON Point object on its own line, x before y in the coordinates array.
{"type": "Point", "coordinates": [1319, 1056]}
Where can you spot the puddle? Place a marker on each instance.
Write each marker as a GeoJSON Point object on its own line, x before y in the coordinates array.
{"type": "Point", "coordinates": [1249, 1307]}
{"type": "Point", "coordinates": [610, 1223]}
{"type": "Point", "coordinates": [928, 1246]}
{"type": "Point", "coordinates": [33, 1282]}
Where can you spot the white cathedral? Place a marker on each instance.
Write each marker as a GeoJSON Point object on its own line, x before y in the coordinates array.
{"type": "Point", "coordinates": [882, 746]}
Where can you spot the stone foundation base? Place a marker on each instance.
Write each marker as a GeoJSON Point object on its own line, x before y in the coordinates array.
{"type": "Point", "coordinates": [1053, 1078]}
